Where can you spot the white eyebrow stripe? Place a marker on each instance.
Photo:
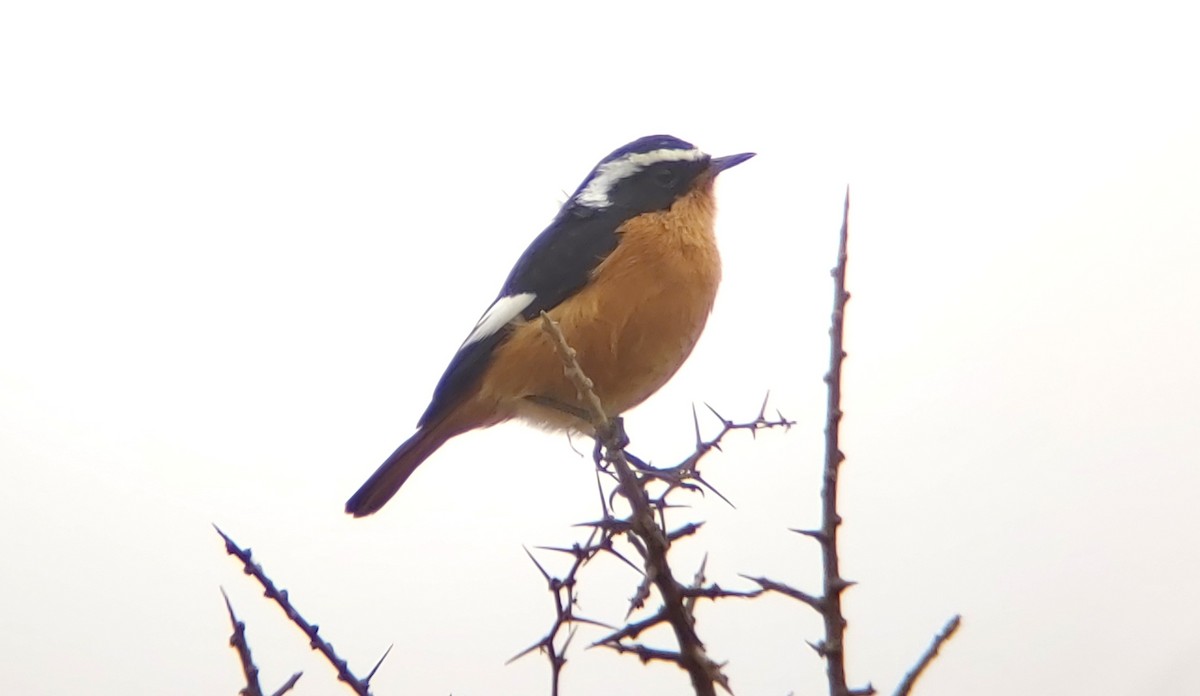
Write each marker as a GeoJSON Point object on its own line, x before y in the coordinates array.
{"type": "Point", "coordinates": [498, 315]}
{"type": "Point", "coordinates": [595, 194]}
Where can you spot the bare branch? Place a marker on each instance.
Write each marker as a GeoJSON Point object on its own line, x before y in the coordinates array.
{"type": "Point", "coordinates": [931, 652]}
{"type": "Point", "coordinates": [238, 641]}
{"type": "Point", "coordinates": [287, 685]}
{"type": "Point", "coordinates": [833, 646]}
{"type": "Point", "coordinates": [360, 686]}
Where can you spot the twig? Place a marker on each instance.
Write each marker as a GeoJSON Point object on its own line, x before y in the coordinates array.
{"type": "Point", "coordinates": [360, 686]}
{"type": "Point", "coordinates": [703, 447]}
{"type": "Point", "coordinates": [718, 592]}
{"type": "Point", "coordinates": [686, 474]}
{"type": "Point", "coordinates": [632, 630]}
{"type": "Point", "coordinates": [769, 585]}
{"type": "Point", "coordinates": [931, 652]}
{"type": "Point", "coordinates": [563, 591]}
{"type": "Point", "coordinates": [571, 368]}
{"type": "Point", "coordinates": [645, 653]}
{"type": "Point", "coordinates": [287, 685]}
{"type": "Point", "coordinates": [238, 641]}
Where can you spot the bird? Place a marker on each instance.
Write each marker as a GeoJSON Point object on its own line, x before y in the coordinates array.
{"type": "Point", "coordinates": [628, 269]}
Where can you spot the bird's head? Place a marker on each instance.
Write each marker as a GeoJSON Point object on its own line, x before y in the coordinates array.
{"type": "Point", "coordinates": [647, 175]}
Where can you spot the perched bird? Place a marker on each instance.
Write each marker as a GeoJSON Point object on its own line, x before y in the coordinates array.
{"type": "Point", "coordinates": [629, 271]}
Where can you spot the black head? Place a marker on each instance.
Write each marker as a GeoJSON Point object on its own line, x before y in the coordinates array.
{"type": "Point", "coordinates": [645, 175]}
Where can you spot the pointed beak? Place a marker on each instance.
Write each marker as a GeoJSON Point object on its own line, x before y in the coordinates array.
{"type": "Point", "coordinates": [720, 164]}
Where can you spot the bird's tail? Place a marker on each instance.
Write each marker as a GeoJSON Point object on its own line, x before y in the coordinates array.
{"type": "Point", "coordinates": [392, 474]}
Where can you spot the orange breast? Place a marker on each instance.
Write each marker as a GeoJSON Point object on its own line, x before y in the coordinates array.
{"type": "Point", "coordinates": [632, 326]}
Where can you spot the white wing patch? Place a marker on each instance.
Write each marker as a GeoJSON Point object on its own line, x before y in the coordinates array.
{"type": "Point", "coordinates": [498, 315]}
{"type": "Point", "coordinates": [595, 194]}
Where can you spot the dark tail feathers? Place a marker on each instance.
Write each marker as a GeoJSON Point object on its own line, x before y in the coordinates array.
{"type": "Point", "coordinates": [392, 474]}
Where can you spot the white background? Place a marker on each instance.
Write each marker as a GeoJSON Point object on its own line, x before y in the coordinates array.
{"type": "Point", "coordinates": [241, 240]}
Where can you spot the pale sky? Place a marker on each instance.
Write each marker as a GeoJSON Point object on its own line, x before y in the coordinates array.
{"type": "Point", "coordinates": [240, 241]}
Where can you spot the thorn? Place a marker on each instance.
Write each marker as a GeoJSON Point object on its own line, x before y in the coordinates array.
{"type": "Point", "coordinates": [811, 533]}
{"type": "Point", "coordinates": [696, 424]}
{"type": "Point", "coordinates": [840, 584]}
{"type": "Point", "coordinates": [718, 415]}
{"type": "Point", "coordinates": [559, 549]}
{"type": "Point", "coordinates": [600, 492]}
{"type": "Point", "coordinates": [714, 490]}
{"type": "Point", "coordinates": [540, 645]}
{"type": "Point", "coordinates": [762, 412]}
{"type": "Point", "coordinates": [610, 524]}
{"type": "Point", "coordinates": [591, 622]}
{"type": "Point", "coordinates": [612, 497]}
{"type": "Point", "coordinates": [567, 642]}
{"type": "Point", "coordinates": [625, 560]}
{"type": "Point", "coordinates": [535, 562]}
{"type": "Point", "coordinates": [367, 679]}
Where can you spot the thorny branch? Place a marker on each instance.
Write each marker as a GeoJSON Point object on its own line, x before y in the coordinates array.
{"type": "Point", "coordinates": [829, 604]}
{"type": "Point", "coordinates": [931, 652]}
{"type": "Point", "coordinates": [833, 647]}
{"type": "Point", "coordinates": [685, 472]}
{"type": "Point", "coordinates": [238, 642]}
{"type": "Point", "coordinates": [360, 686]}
{"type": "Point", "coordinates": [249, 669]}
{"type": "Point", "coordinates": [646, 529]}
{"type": "Point", "coordinates": [563, 590]}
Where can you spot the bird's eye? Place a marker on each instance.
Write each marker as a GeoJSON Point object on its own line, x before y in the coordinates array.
{"type": "Point", "coordinates": [665, 178]}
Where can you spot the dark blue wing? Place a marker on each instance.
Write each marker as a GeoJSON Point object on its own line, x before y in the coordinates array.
{"type": "Point", "coordinates": [555, 266]}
